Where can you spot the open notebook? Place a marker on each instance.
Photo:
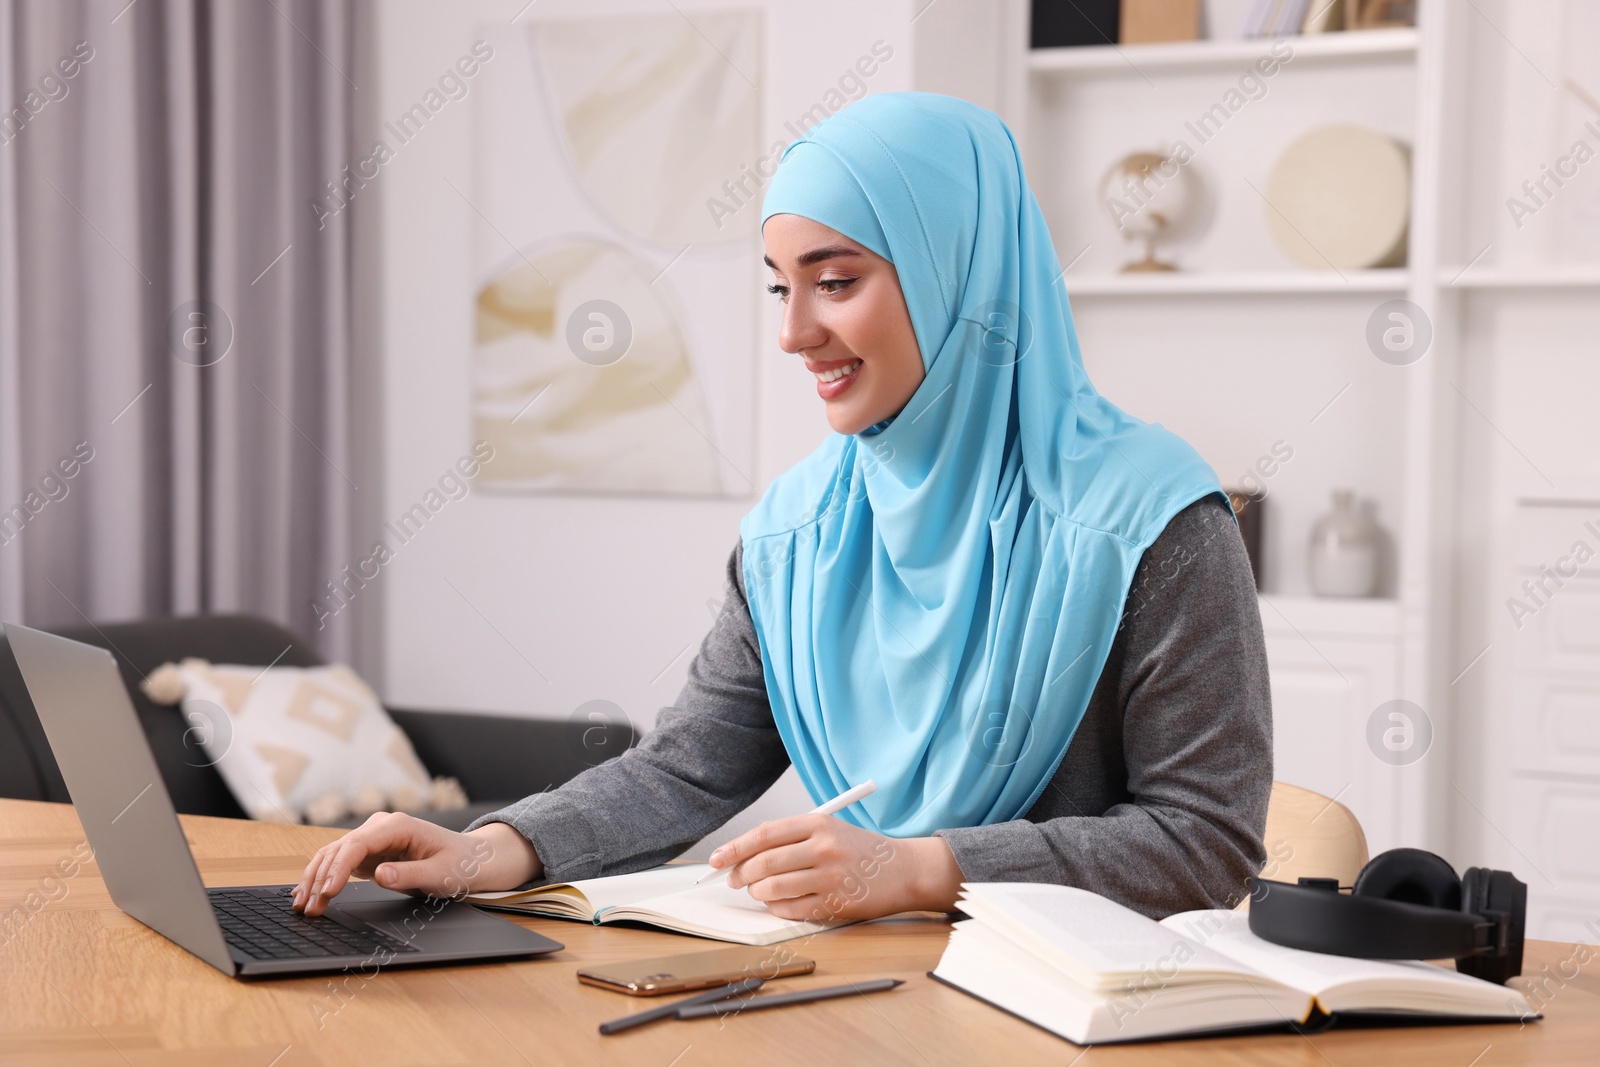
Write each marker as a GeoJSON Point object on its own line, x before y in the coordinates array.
{"type": "Point", "coordinates": [662, 896]}
{"type": "Point", "coordinates": [1095, 972]}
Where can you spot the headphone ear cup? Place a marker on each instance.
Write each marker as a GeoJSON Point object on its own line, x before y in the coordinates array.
{"type": "Point", "coordinates": [1483, 890]}
{"type": "Point", "coordinates": [1410, 875]}
{"type": "Point", "coordinates": [1475, 890]}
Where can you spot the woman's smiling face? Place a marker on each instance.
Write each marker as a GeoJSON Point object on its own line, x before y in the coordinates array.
{"type": "Point", "coordinates": [844, 314]}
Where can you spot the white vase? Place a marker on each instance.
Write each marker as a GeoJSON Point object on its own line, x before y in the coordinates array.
{"type": "Point", "coordinates": [1344, 550]}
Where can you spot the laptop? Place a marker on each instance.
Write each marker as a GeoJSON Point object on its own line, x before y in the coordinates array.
{"type": "Point", "coordinates": [245, 931]}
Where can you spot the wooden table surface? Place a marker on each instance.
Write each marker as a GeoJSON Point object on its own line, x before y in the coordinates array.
{"type": "Point", "coordinates": [82, 983]}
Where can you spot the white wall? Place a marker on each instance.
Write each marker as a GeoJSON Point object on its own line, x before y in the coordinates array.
{"type": "Point", "coordinates": [535, 604]}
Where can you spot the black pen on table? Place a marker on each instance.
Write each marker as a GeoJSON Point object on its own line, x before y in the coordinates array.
{"type": "Point", "coordinates": [663, 1011]}
{"type": "Point", "coordinates": [778, 1000]}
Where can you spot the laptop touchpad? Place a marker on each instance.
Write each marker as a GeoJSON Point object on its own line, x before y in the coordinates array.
{"type": "Point", "coordinates": [405, 919]}
{"type": "Point", "coordinates": [440, 925]}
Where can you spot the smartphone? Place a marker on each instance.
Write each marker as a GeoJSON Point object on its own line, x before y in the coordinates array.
{"type": "Point", "coordinates": [694, 970]}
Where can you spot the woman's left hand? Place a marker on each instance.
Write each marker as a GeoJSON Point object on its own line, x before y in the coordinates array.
{"type": "Point", "coordinates": [820, 868]}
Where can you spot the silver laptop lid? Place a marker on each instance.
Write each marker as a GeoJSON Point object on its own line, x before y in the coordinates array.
{"type": "Point", "coordinates": [117, 789]}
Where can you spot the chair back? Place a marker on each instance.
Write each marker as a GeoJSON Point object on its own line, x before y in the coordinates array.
{"type": "Point", "coordinates": [1310, 835]}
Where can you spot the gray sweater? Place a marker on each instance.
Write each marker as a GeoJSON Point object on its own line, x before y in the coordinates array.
{"type": "Point", "coordinates": [1159, 803]}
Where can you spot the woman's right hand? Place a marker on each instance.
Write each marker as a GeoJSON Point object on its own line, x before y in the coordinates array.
{"type": "Point", "coordinates": [402, 852]}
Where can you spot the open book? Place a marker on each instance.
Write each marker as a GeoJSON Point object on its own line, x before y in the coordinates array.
{"type": "Point", "coordinates": [1094, 972]}
{"type": "Point", "coordinates": [662, 896]}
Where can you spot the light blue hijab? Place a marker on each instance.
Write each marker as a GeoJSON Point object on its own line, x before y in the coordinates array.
{"type": "Point", "coordinates": [935, 597]}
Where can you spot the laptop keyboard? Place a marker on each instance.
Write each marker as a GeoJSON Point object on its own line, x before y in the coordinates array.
{"type": "Point", "coordinates": [261, 923]}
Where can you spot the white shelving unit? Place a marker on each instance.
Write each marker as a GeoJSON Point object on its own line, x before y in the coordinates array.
{"type": "Point", "coordinates": [1240, 319]}
{"type": "Point", "coordinates": [1218, 55]}
{"type": "Point", "coordinates": [1557, 278]}
{"type": "Point", "coordinates": [1240, 283]}
{"type": "Point", "coordinates": [1363, 618]}
{"type": "Point", "coordinates": [1491, 433]}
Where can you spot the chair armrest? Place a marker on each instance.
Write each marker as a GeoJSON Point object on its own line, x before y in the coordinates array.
{"type": "Point", "coordinates": [505, 758]}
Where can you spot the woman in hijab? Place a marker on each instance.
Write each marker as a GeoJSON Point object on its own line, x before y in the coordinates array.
{"type": "Point", "coordinates": [1023, 613]}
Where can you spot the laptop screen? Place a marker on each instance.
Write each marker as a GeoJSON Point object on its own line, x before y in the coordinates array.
{"type": "Point", "coordinates": [117, 789]}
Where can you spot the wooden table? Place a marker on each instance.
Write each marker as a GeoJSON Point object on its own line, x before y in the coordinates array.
{"type": "Point", "coordinates": [82, 983]}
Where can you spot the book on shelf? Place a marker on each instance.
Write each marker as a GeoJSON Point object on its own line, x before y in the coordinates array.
{"type": "Point", "coordinates": [1094, 972]}
{"type": "Point", "coordinates": [1283, 18]}
{"type": "Point", "coordinates": [664, 897]}
{"type": "Point", "coordinates": [1259, 18]}
{"type": "Point", "coordinates": [1324, 16]}
{"type": "Point", "coordinates": [1290, 18]}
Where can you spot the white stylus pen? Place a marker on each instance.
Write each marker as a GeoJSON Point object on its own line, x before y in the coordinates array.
{"type": "Point", "coordinates": [832, 807]}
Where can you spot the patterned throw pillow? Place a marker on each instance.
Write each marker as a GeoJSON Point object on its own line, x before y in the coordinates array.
{"type": "Point", "coordinates": [299, 743]}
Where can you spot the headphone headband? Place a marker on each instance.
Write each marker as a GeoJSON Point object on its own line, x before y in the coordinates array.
{"type": "Point", "coordinates": [1324, 920]}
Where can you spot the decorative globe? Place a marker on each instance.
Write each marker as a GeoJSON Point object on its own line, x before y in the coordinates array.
{"type": "Point", "coordinates": [1150, 197]}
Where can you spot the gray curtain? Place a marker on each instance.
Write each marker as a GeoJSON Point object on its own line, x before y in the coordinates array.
{"type": "Point", "coordinates": [177, 363]}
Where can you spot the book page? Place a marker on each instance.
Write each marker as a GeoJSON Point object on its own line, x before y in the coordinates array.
{"type": "Point", "coordinates": [1347, 983]}
{"type": "Point", "coordinates": [1096, 941]}
{"type": "Point", "coordinates": [716, 911]}
{"type": "Point", "coordinates": [601, 893]}
{"type": "Point", "coordinates": [996, 969]}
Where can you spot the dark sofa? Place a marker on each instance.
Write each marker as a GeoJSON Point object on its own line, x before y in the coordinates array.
{"type": "Point", "coordinates": [497, 759]}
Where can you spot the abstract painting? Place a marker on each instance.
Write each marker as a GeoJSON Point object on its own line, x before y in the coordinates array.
{"type": "Point", "coordinates": [616, 259]}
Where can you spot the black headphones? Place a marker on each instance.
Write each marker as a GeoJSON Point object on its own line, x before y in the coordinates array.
{"type": "Point", "coordinates": [1406, 904]}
